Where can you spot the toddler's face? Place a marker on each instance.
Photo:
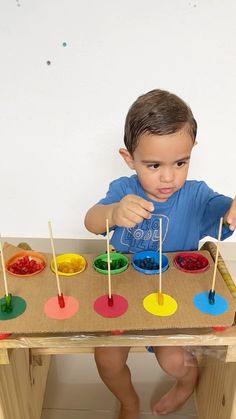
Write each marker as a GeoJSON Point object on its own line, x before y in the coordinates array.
{"type": "Point", "coordinates": [161, 163]}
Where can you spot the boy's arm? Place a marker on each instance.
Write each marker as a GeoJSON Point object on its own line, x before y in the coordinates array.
{"type": "Point", "coordinates": [128, 212]}
{"type": "Point", "coordinates": [95, 219]}
{"type": "Point", "coordinates": [230, 216]}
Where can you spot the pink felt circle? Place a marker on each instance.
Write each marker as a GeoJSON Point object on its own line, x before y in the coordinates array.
{"type": "Point", "coordinates": [119, 307]}
{"type": "Point", "coordinates": [54, 311]}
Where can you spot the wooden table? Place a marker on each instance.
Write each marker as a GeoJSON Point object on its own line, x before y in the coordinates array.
{"type": "Point", "coordinates": [25, 362]}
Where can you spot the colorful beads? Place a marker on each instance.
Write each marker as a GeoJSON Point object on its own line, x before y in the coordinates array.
{"type": "Point", "coordinates": [72, 266]}
{"type": "Point", "coordinates": [147, 263]}
{"type": "Point", "coordinates": [114, 264]}
{"type": "Point", "coordinates": [191, 262]}
{"type": "Point", "coordinates": [69, 264]}
{"type": "Point", "coordinates": [25, 265]}
{"type": "Point", "coordinates": [118, 263]}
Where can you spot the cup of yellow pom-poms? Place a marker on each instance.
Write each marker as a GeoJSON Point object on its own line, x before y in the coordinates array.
{"type": "Point", "coordinates": [69, 264]}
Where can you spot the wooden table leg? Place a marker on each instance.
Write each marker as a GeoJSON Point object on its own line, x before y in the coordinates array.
{"type": "Point", "coordinates": [216, 391]}
{"type": "Point", "coordinates": [22, 386]}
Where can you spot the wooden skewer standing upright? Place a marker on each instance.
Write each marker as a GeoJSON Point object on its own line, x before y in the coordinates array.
{"type": "Point", "coordinates": [110, 299]}
{"type": "Point", "coordinates": [211, 295]}
{"type": "Point", "coordinates": [3, 268]}
{"type": "Point", "coordinates": [160, 296]}
{"type": "Point", "coordinates": [61, 300]}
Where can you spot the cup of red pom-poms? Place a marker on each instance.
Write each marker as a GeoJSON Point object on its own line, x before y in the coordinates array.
{"type": "Point", "coordinates": [191, 262]}
{"type": "Point", "coordinates": [147, 262]}
{"type": "Point", "coordinates": [26, 263]}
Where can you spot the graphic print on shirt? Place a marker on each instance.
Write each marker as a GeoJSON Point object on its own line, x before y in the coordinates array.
{"type": "Point", "coordinates": [145, 235]}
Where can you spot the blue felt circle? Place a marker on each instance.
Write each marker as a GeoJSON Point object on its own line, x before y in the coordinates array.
{"type": "Point", "coordinates": [201, 302]}
{"type": "Point", "coordinates": [149, 254]}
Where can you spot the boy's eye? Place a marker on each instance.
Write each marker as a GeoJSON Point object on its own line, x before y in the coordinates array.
{"type": "Point", "coordinates": [153, 166]}
{"type": "Point", "coordinates": [181, 163]}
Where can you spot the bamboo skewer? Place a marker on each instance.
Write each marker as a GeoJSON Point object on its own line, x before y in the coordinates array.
{"type": "Point", "coordinates": [160, 297]}
{"type": "Point", "coordinates": [61, 300]}
{"type": "Point", "coordinates": [7, 306]}
{"type": "Point", "coordinates": [211, 295]}
{"type": "Point", "coordinates": [3, 269]}
{"type": "Point", "coordinates": [160, 256]}
{"type": "Point", "coordinates": [110, 298]}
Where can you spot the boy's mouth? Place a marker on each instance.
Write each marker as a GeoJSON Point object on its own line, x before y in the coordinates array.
{"type": "Point", "coordinates": [166, 191]}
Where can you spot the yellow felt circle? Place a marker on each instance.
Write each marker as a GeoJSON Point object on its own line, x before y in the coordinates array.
{"type": "Point", "coordinates": [168, 307]}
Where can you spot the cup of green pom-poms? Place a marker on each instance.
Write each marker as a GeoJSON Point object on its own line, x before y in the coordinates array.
{"type": "Point", "coordinates": [118, 263]}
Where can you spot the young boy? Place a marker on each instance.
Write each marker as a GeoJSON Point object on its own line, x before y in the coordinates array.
{"type": "Point", "coordinates": [160, 132]}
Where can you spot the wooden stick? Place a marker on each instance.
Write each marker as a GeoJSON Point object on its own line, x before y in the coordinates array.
{"type": "Point", "coordinates": [54, 258]}
{"type": "Point", "coordinates": [160, 297]}
{"type": "Point", "coordinates": [108, 260]}
{"type": "Point", "coordinates": [3, 268]}
{"type": "Point", "coordinates": [160, 255]}
{"type": "Point", "coordinates": [217, 254]}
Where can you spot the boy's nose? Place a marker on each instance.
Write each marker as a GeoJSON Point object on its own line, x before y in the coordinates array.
{"type": "Point", "coordinates": [167, 175]}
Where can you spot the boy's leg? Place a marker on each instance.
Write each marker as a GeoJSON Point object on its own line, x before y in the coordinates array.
{"type": "Point", "coordinates": [112, 368]}
{"type": "Point", "coordinates": [180, 364]}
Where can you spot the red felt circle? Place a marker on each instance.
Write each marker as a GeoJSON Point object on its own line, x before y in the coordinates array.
{"type": "Point", "coordinates": [191, 259]}
{"type": "Point", "coordinates": [4, 335]}
{"type": "Point", "coordinates": [119, 307]}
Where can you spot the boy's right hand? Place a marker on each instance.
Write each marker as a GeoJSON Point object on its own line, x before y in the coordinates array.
{"type": "Point", "coordinates": [131, 210]}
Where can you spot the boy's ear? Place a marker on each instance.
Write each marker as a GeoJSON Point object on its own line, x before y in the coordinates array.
{"type": "Point", "coordinates": [127, 157]}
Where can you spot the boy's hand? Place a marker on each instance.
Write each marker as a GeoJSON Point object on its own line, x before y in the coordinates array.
{"type": "Point", "coordinates": [231, 216]}
{"type": "Point", "coordinates": [131, 210]}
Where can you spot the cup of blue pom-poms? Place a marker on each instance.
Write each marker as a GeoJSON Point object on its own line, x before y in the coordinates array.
{"type": "Point", "coordinates": [147, 262]}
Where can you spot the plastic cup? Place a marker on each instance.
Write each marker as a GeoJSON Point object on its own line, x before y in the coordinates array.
{"type": "Point", "coordinates": [36, 256]}
{"type": "Point", "coordinates": [118, 263]}
{"type": "Point", "coordinates": [147, 262]}
{"type": "Point", "coordinates": [69, 264]}
{"type": "Point", "coordinates": [191, 262]}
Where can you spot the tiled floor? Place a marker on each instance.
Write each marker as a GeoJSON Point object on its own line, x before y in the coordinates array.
{"type": "Point", "coordinates": [80, 394]}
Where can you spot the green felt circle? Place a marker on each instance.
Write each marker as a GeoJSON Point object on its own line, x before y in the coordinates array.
{"type": "Point", "coordinates": [18, 307]}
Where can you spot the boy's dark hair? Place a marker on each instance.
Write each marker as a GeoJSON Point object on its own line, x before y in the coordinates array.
{"type": "Point", "coordinates": [157, 112]}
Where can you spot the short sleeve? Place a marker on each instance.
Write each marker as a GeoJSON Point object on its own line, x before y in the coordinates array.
{"type": "Point", "coordinates": [118, 189]}
{"type": "Point", "coordinates": [216, 205]}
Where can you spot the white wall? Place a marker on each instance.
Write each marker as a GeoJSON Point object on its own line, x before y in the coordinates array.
{"type": "Point", "coordinates": [61, 124]}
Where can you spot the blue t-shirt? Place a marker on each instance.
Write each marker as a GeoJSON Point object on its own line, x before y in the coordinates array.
{"type": "Point", "coordinates": [191, 213]}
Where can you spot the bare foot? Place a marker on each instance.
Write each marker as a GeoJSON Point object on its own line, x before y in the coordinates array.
{"type": "Point", "coordinates": [173, 399]}
{"type": "Point", "coordinates": [130, 412]}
